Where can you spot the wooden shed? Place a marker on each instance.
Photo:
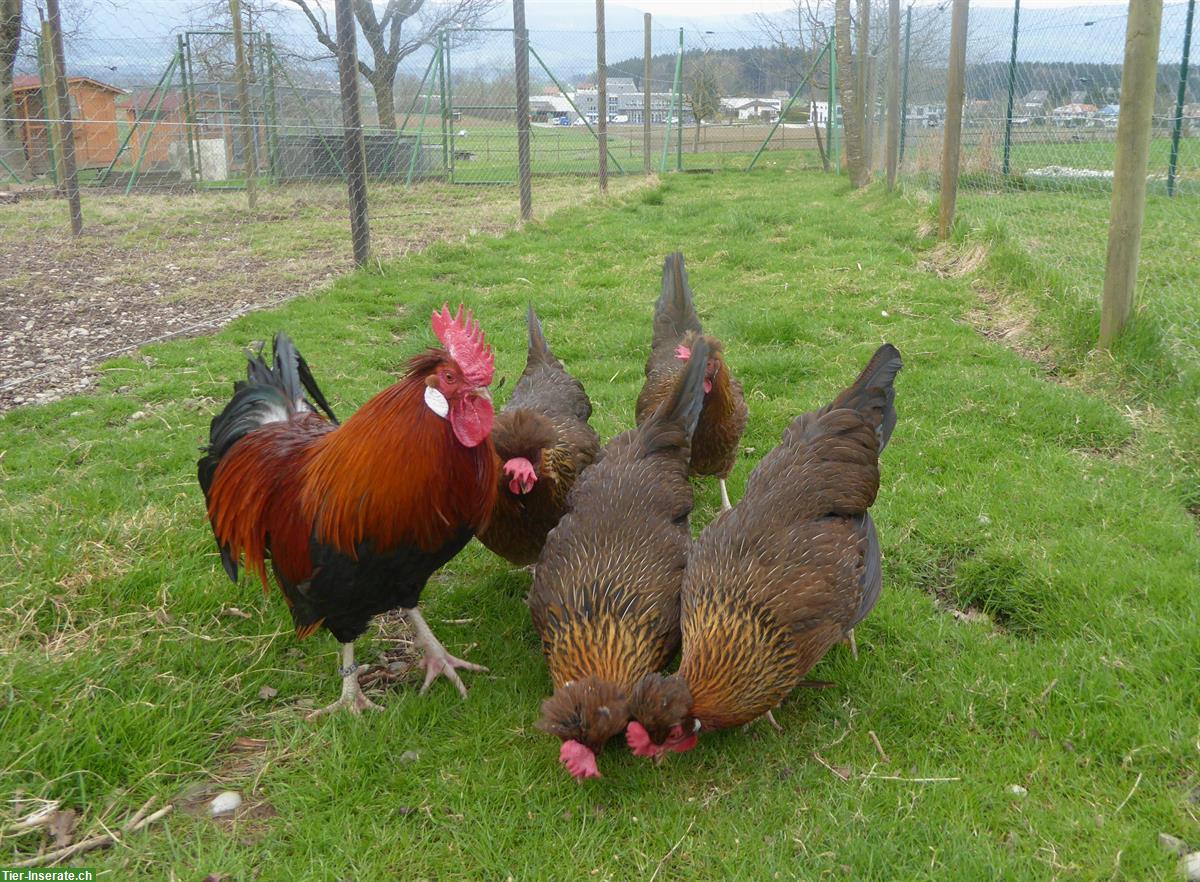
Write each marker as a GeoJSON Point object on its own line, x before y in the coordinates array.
{"type": "Point", "coordinates": [93, 112]}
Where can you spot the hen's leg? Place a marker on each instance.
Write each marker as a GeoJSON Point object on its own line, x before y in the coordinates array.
{"type": "Point", "coordinates": [437, 661]}
{"type": "Point", "coordinates": [352, 698]}
{"type": "Point", "coordinates": [725, 503]}
{"type": "Point", "coordinates": [849, 641]}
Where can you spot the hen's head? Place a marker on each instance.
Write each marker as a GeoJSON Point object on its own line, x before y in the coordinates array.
{"type": "Point", "coordinates": [456, 389]}
{"type": "Point", "coordinates": [661, 707]}
{"type": "Point", "coordinates": [684, 351]}
{"type": "Point", "coordinates": [584, 714]}
{"type": "Point", "coordinates": [522, 437]}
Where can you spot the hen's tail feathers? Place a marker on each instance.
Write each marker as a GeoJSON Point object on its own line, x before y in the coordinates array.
{"type": "Point", "coordinates": [673, 423]}
{"type": "Point", "coordinates": [872, 580]}
{"type": "Point", "coordinates": [864, 393]}
{"type": "Point", "coordinates": [675, 313]}
{"type": "Point", "coordinates": [539, 349]}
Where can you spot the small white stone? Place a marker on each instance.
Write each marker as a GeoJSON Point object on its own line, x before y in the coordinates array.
{"type": "Point", "coordinates": [1189, 864]}
{"type": "Point", "coordinates": [884, 313]}
{"type": "Point", "coordinates": [1191, 867]}
{"type": "Point", "coordinates": [984, 519]}
{"type": "Point", "coordinates": [137, 415]}
{"type": "Point", "coordinates": [409, 756]}
{"type": "Point", "coordinates": [225, 803]}
{"type": "Point", "coordinates": [1017, 790]}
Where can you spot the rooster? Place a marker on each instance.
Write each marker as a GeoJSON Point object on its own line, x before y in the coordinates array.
{"type": "Point", "coordinates": [676, 330]}
{"type": "Point", "coordinates": [355, 518]}
{"type": "Point", "coordinates": [772, 585]}
{"type": "Point", "coordinates": [544, 442]}
{"type": "Point", "coordinates": [605, 596]}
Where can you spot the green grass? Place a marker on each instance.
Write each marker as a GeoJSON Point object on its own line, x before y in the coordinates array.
{"type": "Point", "coordinates": [1070, 670]}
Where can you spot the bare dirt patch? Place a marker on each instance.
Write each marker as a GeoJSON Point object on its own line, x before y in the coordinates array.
{"type": "Point", "coordinates": [154, 266]}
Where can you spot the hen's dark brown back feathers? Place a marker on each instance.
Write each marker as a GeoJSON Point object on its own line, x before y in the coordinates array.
{"type": "Point", "coordinates": [605, 596]}
{"type": "Point", "coordinates": [546, 422]}
{"type": "Point", "coordinates": [772, 585]}
{"type": "Point", "coordinates": [724, 415]}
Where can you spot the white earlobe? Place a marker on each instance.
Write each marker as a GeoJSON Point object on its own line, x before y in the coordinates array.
{"type": "Point", "coordinates": [436, 402]}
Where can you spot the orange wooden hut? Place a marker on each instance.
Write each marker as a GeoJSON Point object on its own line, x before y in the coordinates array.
{"type": "Point", "coordinates": [93, 113]}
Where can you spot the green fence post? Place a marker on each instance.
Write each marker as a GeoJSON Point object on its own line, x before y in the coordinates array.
{"type": "Point", "coordinates": [831, 114]}
{"type": "Point", "coordinates": [1177, 129]}
{"type": "Point", "coordinates": [137, 166]}
{"type": "Point", "coordinates": [137, 121]}
{"type": "Point", "coordinates": [443, 107]}
{"type": "Point", "coordinates": [904, 85]}
{"type": "Point", "coordinates": [1012, 88]}
{"type": "Point", "coordinates": [562, 91]}
{"type": "Point", "coordinates": [449, 98]}
{"type": "Point", "coordinates": [679, 114]}
{"type": "Point", "coordinates": [812, 69]}
{"type": "Point", "coordinates": [412, 160]}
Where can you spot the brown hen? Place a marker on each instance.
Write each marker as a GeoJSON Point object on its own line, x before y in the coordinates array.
{"type": "Point", "coordinates": [772, 585]}
{"type": "Point", "coordinates": [723, 418]}
{"type": "Point", "coordinates": [544, 442]}
{"type": "Point", "coordinates": [605, 597]}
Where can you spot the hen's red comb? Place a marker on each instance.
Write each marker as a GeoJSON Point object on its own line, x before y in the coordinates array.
{"type": "Point", "coordinates": [464, 340]}
{"type": "Point", "coordinates": [682, 352]}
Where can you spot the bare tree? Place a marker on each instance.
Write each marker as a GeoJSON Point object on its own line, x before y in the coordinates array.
{"type": "Point", "coordinates": [392, 33]}
{"type": "Point", "coordinates": [11, 148]}
{"type": "Point", "coordinates": [703, 95]}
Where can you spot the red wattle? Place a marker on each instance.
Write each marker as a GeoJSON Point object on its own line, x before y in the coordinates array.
{"type": "Point", "coordinates": [471, 418]}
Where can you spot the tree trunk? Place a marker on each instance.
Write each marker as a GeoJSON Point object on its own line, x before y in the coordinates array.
{"type": "Point", "coordinates": [384, 84]}
{"type": "Point", "coordinates": [863, 73]}
{"type": "Point", "coordinates": [696, 143]}
{"type": "Point", "coordinates": [848, 96]}
{"type": "Point", "coordinates": [12, 150]}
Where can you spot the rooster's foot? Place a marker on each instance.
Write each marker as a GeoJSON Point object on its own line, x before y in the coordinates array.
{"type": "Point", "coordinates": [352, 699]}
{"type": "Point", "coordinates": [437, 661]}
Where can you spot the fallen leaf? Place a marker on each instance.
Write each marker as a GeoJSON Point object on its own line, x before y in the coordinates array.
{"type": "Point", "coordinates": [62, 827]}
{"type": "Point", "coordinates": [267, 692]}
{"type": "Point", "coordinates": [234, 613]}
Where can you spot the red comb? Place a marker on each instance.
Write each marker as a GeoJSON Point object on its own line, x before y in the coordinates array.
{"type": "Point", "coordinates": [464, 340]}
{"type": "Point", "coordinates": [682, 352]}
{"type": "Point", "coordinates": [638, 740]}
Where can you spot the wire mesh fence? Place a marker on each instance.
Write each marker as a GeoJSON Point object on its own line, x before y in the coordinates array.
{"type": "Point", "coordinates": [1043, 90]}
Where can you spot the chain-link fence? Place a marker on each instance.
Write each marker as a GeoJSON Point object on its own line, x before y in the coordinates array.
{"type": "Point", "coordinates": [1038, 144]}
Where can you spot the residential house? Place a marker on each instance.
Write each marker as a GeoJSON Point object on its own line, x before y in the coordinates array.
{"type": "Point", "coordinates": [1073, 114]}
{"type": "Point", "coordinates": [1033, 104]}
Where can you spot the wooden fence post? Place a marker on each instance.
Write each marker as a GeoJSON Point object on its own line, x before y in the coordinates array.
{"type": "Point", "coordinates": [952, 132]}
{"type": "Point", "coordinates": [243, 88]}
{"type": "Point", "coordinates": [521, 46]}
{"type": "Point", "coordinates": [892, 149]}
{"type": "Point", "coordinates": [70, 180]}
{"type": "Point", "coordinates": [647, 69]}
{"type": "Point", "coordinates": [1134, 124]}
{"type": "Point", "coordinates": [353, 155]}
{"type": "Point", "coordinates": [601, 97]}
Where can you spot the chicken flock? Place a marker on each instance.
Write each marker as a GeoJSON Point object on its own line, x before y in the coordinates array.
{"type": "Point", "coordinates": [355, 517]}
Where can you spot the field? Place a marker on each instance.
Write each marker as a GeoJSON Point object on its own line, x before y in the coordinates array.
{"type": "Point", "coordinates": [1029, 673]}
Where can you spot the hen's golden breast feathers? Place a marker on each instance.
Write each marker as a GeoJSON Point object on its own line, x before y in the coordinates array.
{"type": "Point", "coordinates": [605, 594]}
{"type": "Point", "coordinates": [775, 583]}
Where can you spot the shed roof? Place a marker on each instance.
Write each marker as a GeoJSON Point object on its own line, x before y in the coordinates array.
{"type": "Point", "coordinates": [30, 83]}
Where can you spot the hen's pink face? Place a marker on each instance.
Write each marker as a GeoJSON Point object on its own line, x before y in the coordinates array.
{"type": "Point", "coordinates": [521, 474]}
{"type": "Point", "coordinates": [579, 759]}
{"type": "Point", "coordinates": [641, 745]}
{"type": "Point", "coordinates": [683, 353]}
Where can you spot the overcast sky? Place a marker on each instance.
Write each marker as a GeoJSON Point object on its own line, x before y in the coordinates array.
{"type": "Point", "coordinates": [733, 7]}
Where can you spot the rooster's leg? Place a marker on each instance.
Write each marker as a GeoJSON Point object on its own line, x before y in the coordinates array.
{"type": "Point", "coordinates": [725, 503]}
{"type": "Point", "coordinates": [437, 661]}
{"type": "Point", "coordinates": [771, 720]}
{"type": "Point", "coordinates": [352, 698]}
{"type": "Point", "coordinates": [849, 641]}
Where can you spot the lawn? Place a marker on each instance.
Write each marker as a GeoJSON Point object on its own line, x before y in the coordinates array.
{"type": "Point", "coordinates": [1029, 672]}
